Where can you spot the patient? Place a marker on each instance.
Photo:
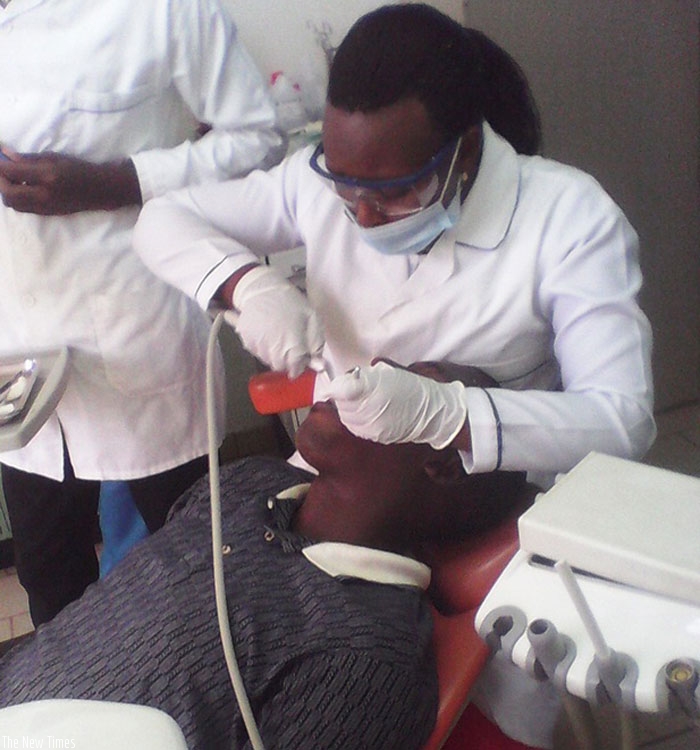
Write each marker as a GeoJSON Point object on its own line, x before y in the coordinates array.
{"type": "Point", "coordinates": [326, 598]}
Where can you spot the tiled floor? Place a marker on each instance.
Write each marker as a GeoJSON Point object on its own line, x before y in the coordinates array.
{"type": "Point", "coordinates": [677, 448]}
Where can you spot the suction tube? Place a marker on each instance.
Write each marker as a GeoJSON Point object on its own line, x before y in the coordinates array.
{"type": "Point", "coordinates": [548, 646]}
{"type": "Point", "coordinates": [217, 546]}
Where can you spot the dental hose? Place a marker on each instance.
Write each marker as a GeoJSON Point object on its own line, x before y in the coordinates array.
{"type": "Point", "coordinates": [217, 545]}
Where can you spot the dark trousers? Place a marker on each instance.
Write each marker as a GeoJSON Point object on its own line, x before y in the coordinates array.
{"type": "Point", "coordinates": [54, 528]}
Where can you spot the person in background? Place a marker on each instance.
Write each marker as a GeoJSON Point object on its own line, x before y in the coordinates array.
{"type": "Point", "coordinates": [325, 590]}
{"type": "Point", "coordinates": [433, 230]}
{"type": "Point", "coordinates": [99, 111]}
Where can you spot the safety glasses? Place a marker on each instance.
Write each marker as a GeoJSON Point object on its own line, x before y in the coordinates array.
{"type": "Point", "coordinates": [395, 198]}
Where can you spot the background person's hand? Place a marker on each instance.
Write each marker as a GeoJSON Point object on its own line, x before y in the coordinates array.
{"type": "Point", "coordinates": [275, 321]}
{"type": "Point", "coordinates": [389, 404]}
{"type": "Point", "coordinates": [52, 184]}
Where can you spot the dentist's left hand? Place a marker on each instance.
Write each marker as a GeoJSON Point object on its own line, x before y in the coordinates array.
{"type": "Point", "coordinates": [388, 404]}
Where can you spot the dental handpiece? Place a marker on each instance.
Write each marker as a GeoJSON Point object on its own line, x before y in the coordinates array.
{"type": "Point", "coordinates": [610, 668]}
{"type": "Point", "coordinates": [274, 392]}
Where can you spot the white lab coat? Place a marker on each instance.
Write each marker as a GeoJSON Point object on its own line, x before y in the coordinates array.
{"type": "Point", "coordinates": [104, 80]}
{"type": "Point", "coordinates": [536, 285]}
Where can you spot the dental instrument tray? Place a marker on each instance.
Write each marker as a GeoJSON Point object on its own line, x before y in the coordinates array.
{"type": "Point", "coordinates": [31, 385]}
{"type": "Point", "coordinates": [16, 383]}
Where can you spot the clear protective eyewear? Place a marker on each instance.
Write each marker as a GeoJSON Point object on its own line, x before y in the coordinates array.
{"type": "Point", "coordinates": [393, 198]}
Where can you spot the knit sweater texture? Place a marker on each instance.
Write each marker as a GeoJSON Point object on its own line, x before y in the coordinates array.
{"type": "Point", "coordinates": [327, 662]}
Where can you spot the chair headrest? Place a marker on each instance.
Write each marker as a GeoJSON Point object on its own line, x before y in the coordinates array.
{"type": "Point", "coordinates": [464, 572]}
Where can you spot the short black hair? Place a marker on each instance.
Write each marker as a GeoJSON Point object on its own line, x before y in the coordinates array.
{"type": "Point", "coordinates": [460, 76]}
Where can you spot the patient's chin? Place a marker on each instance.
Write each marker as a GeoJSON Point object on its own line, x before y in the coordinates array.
{"type": "Point", "coordinates": [322, 439]}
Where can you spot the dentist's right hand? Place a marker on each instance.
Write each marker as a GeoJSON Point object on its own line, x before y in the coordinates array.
{"type": "Point", "coordinates": [275, 321]}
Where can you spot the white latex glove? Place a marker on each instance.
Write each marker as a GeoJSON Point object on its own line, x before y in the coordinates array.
{"type": "Point", "coordinates": [389, 405]}
{"type": "Point", "coordinates": [275, 321]}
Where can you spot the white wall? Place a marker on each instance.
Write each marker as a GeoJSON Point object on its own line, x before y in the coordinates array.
{"type": "Point", "coordinates": [285, 35]}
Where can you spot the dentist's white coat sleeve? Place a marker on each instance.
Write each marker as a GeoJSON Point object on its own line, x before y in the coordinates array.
{"type": "Point", "coordinates": [602, 342]}
{"type": "Point", "coordinates": [197, 237]}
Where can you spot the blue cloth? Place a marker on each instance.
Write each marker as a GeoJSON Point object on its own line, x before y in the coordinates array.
{"type": "Point", "coordinates": [120, 522]}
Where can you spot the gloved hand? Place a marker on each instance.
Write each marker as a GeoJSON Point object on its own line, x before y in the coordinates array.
{"type": "Point", "coordinates": [390, 405]}
{"type": "Point", "coordinates": [275, 322]}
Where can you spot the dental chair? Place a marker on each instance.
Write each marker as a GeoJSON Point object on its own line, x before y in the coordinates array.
{"type": "Point", "coordinates": [462, 575]}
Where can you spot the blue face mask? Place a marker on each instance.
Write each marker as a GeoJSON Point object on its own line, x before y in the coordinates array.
{"type": "Point", "coordinates": [415, 232]}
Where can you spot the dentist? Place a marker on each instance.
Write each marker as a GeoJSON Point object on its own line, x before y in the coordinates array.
{"type": "Point", "coordinates": [431, 232]}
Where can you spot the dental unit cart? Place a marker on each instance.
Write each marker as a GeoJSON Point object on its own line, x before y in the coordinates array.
{"type": "Point", "coordinates": [603, 597]}
{"type": "Point", "coordinates": [31, 385]}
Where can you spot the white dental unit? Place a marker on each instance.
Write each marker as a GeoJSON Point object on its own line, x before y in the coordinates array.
{"type": "Point", "coordinates": [603, 597]}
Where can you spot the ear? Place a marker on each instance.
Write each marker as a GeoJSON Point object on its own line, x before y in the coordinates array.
{"type": "Point", "coordinates": [444, 467]}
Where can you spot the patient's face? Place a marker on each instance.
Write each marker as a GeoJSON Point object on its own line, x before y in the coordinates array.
{"type": "Point", "coordinates": [327, 444]}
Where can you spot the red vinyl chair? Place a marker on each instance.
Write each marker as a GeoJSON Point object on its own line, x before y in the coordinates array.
{"type": "Point", "coordinates": [462, 575]}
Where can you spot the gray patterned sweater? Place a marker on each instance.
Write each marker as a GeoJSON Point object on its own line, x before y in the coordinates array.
{"type": "Point", "coordinates": [327, 662]}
